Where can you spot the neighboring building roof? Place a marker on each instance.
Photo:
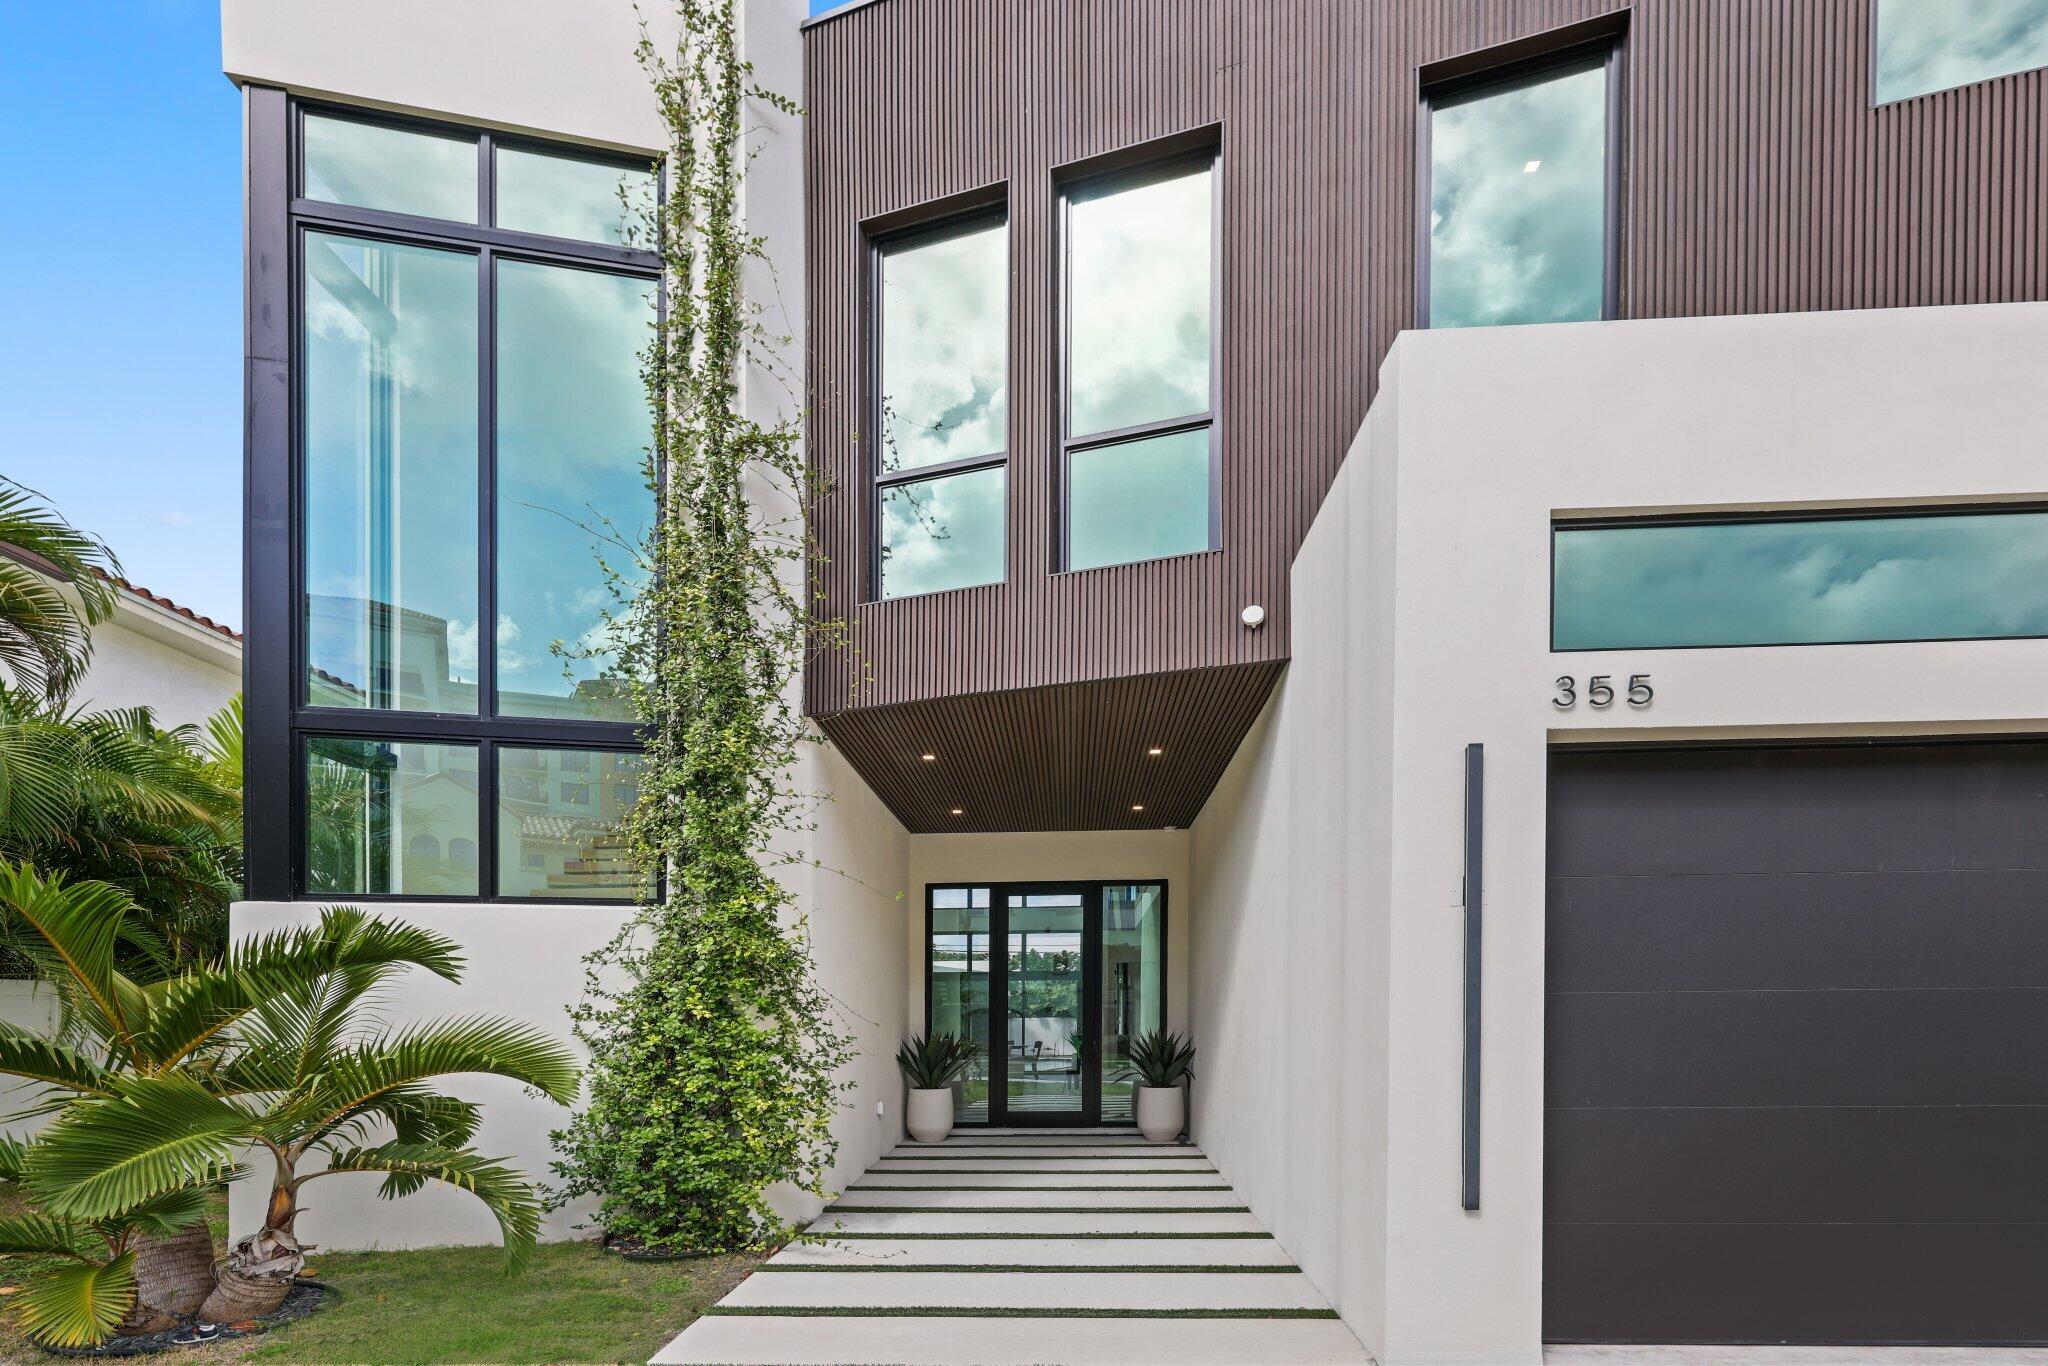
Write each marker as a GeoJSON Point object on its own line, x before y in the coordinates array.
{"type": "Point", "coordinates": [132, 589]}
{"type": "Point", "coordinates": [161, 601]}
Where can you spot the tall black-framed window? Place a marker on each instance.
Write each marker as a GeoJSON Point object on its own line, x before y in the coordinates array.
{"type": "Point", "coordinates": [447, 460]}
{"type": "Point", "coordinates": [1139, 294]}
{"type": "Point", "coordinates": [940, 357]}
{"type": "Point", "coordinates": [1519, 192]}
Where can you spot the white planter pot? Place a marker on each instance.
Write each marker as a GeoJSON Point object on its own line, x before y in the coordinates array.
{"type": "Point", "coordinates": [1162, 1112]}
{"type": "Point", "coordinates": [930, 1116]}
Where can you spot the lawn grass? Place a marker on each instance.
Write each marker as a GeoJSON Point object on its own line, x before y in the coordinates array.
{"type": "Point", "coordinates": [572, 1303]}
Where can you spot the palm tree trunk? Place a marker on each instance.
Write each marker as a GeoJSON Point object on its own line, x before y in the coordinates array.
{"type": "Point", "coordinates": [173, 1277]}
{"type": "Point", "coordinates": [256, 1275]}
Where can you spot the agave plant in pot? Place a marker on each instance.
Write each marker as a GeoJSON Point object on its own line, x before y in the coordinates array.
{"type": "Point", "coordinates": [1165, 1063]}
{"type": "Point", "coordinates": [931, 1065]}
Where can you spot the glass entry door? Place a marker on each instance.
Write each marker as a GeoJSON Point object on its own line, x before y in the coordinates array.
{"type": "Point", "coordinates": [1046, 978]}
{"type": "Point", "coordinates": [1050, 982]}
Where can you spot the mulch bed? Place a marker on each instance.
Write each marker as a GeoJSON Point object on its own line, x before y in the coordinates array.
{"type": "Point", "coordinates": [304, 1298]}
{"type": "Point", "coordinates": [633, 1250]}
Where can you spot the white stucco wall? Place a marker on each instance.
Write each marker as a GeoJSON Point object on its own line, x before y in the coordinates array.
{"type": "Point", "coordinates": [145, 656]}
{"type": "Point", "coordinates": [536, 66]}
{"type": "Point", "coordinates": [525, 963]}
{"type": "Point", "coordinates": [31, 1006]}
{"type": "Point", "coordinates": [570, 73]}
{"type": "Point", "coordinates": [1328, 956]}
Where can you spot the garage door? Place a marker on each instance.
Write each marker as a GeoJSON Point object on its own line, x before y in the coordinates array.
{"type": "Point", "coordinates": [1797, 1045]}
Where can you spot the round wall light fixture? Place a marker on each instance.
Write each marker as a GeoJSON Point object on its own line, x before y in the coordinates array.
{"type": "Point", "coordinates": [1253, 616]}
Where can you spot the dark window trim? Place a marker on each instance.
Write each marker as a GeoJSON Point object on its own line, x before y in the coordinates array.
{"type": "Point", "coordinates": [1092, 976]}
{"type": "Point", "coordinates": [1890, 512]}
{"type": "Point", "coordinates": [955, 216]}
{"type": "Point", "coordinates": [1609, 52]}
{"type": "Point", "coordinates": [280, 719]}
{"type": "Point", "coordinates": [1099, 177]}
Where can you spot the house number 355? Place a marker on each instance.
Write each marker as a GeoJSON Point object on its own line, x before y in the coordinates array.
{"type": "Point", "coordinates": [1600, 691]}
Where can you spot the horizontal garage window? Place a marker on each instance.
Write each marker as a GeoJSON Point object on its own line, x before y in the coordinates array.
{"type": "Point", "coordinates": [1861, 578]}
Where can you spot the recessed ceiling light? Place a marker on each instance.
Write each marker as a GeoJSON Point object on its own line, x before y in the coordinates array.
{"type": "Point", "coordinates": [1531, 168]}
{"type": "Point", "coordinates": [1137, 806]}
{"type": "Point", "coordinates": [1156, 751]}
{"type": "Point", "coordinates": [958, 812]}
{"type": "Point", "coordinates": [929, 758]}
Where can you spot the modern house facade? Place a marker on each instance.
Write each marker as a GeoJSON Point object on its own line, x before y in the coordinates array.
{"type": "Point", "coordinates": [1487, 560]}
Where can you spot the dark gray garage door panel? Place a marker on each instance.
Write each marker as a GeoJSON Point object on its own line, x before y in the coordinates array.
{"type": "Point", "coordinates": [1798, 1045]}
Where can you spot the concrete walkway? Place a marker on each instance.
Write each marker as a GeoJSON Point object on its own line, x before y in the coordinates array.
{"type": "Point", "coordinates": [1041, 1246]}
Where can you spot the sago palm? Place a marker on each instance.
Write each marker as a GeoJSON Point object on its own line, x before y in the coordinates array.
{"type": "Point", "coordinates": [163, 1085]}
{"type": "Point", "coordinates": [45, 632]}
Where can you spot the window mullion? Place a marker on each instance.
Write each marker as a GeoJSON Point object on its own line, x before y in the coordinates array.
{"type": "Point", "coordinates": [487, 484]}
{"type": "Point", "coordinates": [487, 819]}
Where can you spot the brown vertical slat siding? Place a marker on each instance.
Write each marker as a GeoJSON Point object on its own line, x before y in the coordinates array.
{"type": "Point", "coordinates": [1757, 178]}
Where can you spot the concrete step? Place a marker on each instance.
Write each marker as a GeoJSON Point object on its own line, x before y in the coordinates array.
{"type": "Point", "coordinates": [947, 1152]}
{"type": "Point", "coordinates": [1037, 1180]}
{"type": "Point", "coordinates": [970, 1291]}
{"type": "Point", "coordinates": [1040, 1138]}
{"type": "Point", "coordinates": [1078, 1254]}
{"type": "Point", "coordinates": [967, 1341]}
{"type": "Point", "coordinates": [967, 1223]}
{"type": "Point", "coordinates": [1039, 1198]}
{"type": "Point", "coordinates": [1033, 1131]}
{"type": "Point", "coordinates": [1047, 1165]}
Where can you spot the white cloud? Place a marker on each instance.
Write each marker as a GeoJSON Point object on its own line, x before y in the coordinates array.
{"type": "Point", "coordinates": [1928, 45]}
{"type": "Point", "coordinates": [1140, 287]}
{"type": "Point", "coordinates": [1517, 200]}
{"type": "Point", "coordinates": [945, 339]}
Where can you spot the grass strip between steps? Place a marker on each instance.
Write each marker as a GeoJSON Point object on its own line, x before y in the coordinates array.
{"type": "Point", "coordinates": [827, 1311]}
{"type": "Point", "coordinates": [1041, 1209]}
{"type": "Point", "coordinates": [1028, 1268]}
{"type": "Point", "coordinates": [970, 1236]}
{"type": "Point", "coordinates": [862, 1189]}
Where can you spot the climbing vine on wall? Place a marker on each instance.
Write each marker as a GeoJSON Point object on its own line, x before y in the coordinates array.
{"type": "Point", "coordinates": [714, 1050]}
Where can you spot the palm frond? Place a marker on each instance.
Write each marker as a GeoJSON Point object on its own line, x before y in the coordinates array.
{"type": "Point", "coordinates": [79, 1306]}
{"type": "Point", "coordinates": [355, 1079]}
{"type": "Point", "coordinates": [508, 1196]}
{"type": "Point", "coordinates": [165, 1214]}
{"type": "Point", "coordinates": [40, 1234]}
{"type": "Point", "coordinates": [288, 1038]}
{"type": "Point", "coordinates": [298, 984]}
{"type": "Point", "coordinates": [27, 1054]}
{"type": "Point", "coordinates": [45, 634]}
{"type": "Point", "coordinates": [68, 931]}
{"type": "Point", "coordinates": [222, 747]}
{"type": "Point", "coordinates": [12, 1154]}
{"type": "Point", "coordinates": [156, 1134]}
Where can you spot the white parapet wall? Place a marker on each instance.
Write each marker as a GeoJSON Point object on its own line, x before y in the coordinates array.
{"type": "Point", "coordinates": [1327, 962]}
{"type": "Point", "coordinates": [32, 1006]}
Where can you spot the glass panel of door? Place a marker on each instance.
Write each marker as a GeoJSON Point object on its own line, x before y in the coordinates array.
{"type": "Point", "coordinates": [1051, 984]}
{"type": "Point", "coordinates": [1044, 986]}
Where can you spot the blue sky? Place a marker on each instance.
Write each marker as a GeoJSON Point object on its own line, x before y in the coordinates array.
{"type": "Point", "coordinates": [120, 357]}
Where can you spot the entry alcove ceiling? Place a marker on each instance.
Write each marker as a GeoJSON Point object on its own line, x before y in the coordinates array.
{"type": "Point", "coordinates": [1068, 757]}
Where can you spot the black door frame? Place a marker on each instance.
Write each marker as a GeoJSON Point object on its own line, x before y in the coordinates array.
{"type": "Point", "coordinates": [1090, 1114]}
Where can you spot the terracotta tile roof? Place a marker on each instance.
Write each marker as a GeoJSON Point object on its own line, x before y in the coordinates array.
{"type": "Point", "coordinates": [41, 565]}
{"type": "Point", "coordinates": [160, 600]}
